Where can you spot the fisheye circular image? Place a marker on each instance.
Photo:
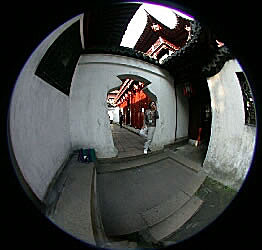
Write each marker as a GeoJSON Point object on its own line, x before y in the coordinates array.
{"type": "Point", "coordinates": [132, 126]}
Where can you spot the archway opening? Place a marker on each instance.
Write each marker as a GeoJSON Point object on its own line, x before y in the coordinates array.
{"type": "Point", "coordinates": [132, 100]}
{"type": "Point", "coordinates": [126, 106]}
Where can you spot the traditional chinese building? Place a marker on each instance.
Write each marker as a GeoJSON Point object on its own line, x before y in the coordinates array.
{"type": "Point", "coordinates": [132, 102]}
{"type": "Point", "coordinates": [158, 41]}
{"type": "Point", "coordinates": [58, 106]}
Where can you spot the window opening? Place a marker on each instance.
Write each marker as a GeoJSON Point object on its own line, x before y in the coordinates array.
{"type": "Point", "coordinates": [58, 64]}
{"type": "Point", "coordinates": [249, 105]}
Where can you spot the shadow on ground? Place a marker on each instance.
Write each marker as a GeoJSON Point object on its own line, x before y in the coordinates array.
{"type": "Point", "coordinates": [216, 198]}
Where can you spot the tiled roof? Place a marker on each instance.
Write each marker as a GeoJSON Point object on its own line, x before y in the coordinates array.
{"type": "Point", "coordinates": [104, 29]}
{"type": "Point", "coordinates": [178, 36]}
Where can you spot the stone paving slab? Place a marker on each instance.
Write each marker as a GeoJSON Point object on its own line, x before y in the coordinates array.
{"type": "Point", "coordinates": [129, 153]}
{"type": "Point", "coordinates": [139, 191]}
{"type": "Point", "coordinates": [191, 155]}
{"type": "Point", "coordinates": [132, 163]}
{"type": "Point", "coordinates": [158, 213]}
{"type": "Point", "coordinates": [176, 220]}
{"type": "Point", "coordinates": [186, 161]}
{"type": "Point", "coordinates": [126, 224]}
{"type": "Point", "coordinates": [132, 160]}
{"type": "Point", "coordinates": [73, 210]}
{"type": "Point", "coordinates": [185, 179]}
{"type": "Point", "coordinates": [125, 195]}
{"type": "Point", "coordinates": [120, 245]}
{"type": "Point", "coordinates": [127, 143]}
{"type": "Point", "coordinates": [216, 199]}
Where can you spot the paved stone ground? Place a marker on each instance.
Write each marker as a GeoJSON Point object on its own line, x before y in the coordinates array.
{"type": "Point", "coordinates": [73, 209]}
{"type": "Point", "coordinates": [193, 154]}
{"type": "Point", "coordinates": [216, 198]}
{"type": "Point", "coordinates": [128, 143]}
{"type": "Point", "coordinates": [149, 179]}
{"type": "Point", "coordinates": [127, 193]}
{"type": "Point", "coordinates": [128, 196]}
{"type": "Point", "coordinates": [131, 144]}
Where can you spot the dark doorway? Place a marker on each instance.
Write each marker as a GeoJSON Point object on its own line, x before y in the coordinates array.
{"type": "Point", "coordinates": [200, 116]}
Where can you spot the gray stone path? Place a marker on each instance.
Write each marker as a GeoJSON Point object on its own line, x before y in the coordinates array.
{"type": "Point", "coordinates": [190, 155]}
{"type": "Point", "coordinates": [139, 192]}
{"type": "Point", "coordinates": [128, 143]}
{"type": "Point", "coordinates": [127, 196]}
{"type": "Point", "coordinates": [216, 198]}
{"type": "Point", "coordinates": [136, 192]}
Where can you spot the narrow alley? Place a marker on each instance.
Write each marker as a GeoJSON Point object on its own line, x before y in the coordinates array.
{"type": "Point", "coordinates": [127, 143]}
{"type": "Point", "coordinates": [93, 179]}
{"type": "Point", "coordinates": [150, 195]}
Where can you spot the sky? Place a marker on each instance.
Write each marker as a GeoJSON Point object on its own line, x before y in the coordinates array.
{"type": "Point", "coordinates": [138, 22]}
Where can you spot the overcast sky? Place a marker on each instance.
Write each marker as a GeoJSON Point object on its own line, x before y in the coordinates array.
{"type": "Point", "coordinates": [138, 22]}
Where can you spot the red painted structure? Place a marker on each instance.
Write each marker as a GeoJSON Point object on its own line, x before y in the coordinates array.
{"type": "Point", "coordinates": [133, 102]}
{"type": "Point", "coordinates": [157, 41]}
{"type": "Point", "coordinates": [173, 39]}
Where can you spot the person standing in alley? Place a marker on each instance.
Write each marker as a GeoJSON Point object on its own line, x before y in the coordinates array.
{"type": "Point", "coordinates": [121, 119]}
{"type": "Point", "coordinates": [151, 115]}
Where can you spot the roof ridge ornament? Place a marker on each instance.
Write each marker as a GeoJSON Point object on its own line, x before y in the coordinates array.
{"type": "Point", "coordinates": [156, 27]}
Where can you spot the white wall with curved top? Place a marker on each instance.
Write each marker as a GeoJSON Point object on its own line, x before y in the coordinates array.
{"type": "Point", "coordinates": [39, 122]}
{"type": "Point", "coordinates": [95, 75]}
{"type": "Point", "coordinates": [232, 142]}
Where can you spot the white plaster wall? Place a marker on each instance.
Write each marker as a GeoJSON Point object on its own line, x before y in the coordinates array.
{"type": "Point", "coordinates": [95, 75]}
{"type": "Point", "coordinates": [39, 122]}
{"type": "Point", "coordinates": [166, 106]}
{"type": "Point", "coordinates": [232, 142]}
{"type": "Point", "coordinates": [116, 115]}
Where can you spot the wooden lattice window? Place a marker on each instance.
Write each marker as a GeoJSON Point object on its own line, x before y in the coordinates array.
{"type": "Point", "coordinates": [250, 113]}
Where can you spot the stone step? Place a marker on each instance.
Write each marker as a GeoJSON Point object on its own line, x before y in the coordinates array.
{"type": "Point", "coordinates": [57, 185]}
{"type": "Point", "coordinates": [73, 210]}
{"type": "Point", "coordinates": [148, 217]}
{"type": "Point", "coordinates": [165, 209]}
{"type": "Point", "coordinates": [139, 161]}
{"type": "Point", "coordinates": [116, 244]}
{"type": "Point", "coordinates": [167, 243]}
{"type": "Point", "coordinates": [98, 228]}
{"type": "Point", "coordinates": [177, 143]}
{"type": "Point", "coordinates": [131, 163]}
{"type": "Point", "coordinates": [132, 244]}
{"type": "Point", "coordinates": [176, 155]}
{"type": "Point", "coordinates": [125, 244]}
{"type": "Point", "coordinates": [128, 158]}
{"type": "Point", "coordinates": [170, 225]}
{"type": "Point", "coordinates": [145, 196]}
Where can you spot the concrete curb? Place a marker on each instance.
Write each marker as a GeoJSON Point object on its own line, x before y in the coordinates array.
{"type": "Point", "coordinates": [75, 217]}
{"type": "Point", "coordinates": [98, 229]}
{"type": "Point", "coordinates": [56, 186]}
